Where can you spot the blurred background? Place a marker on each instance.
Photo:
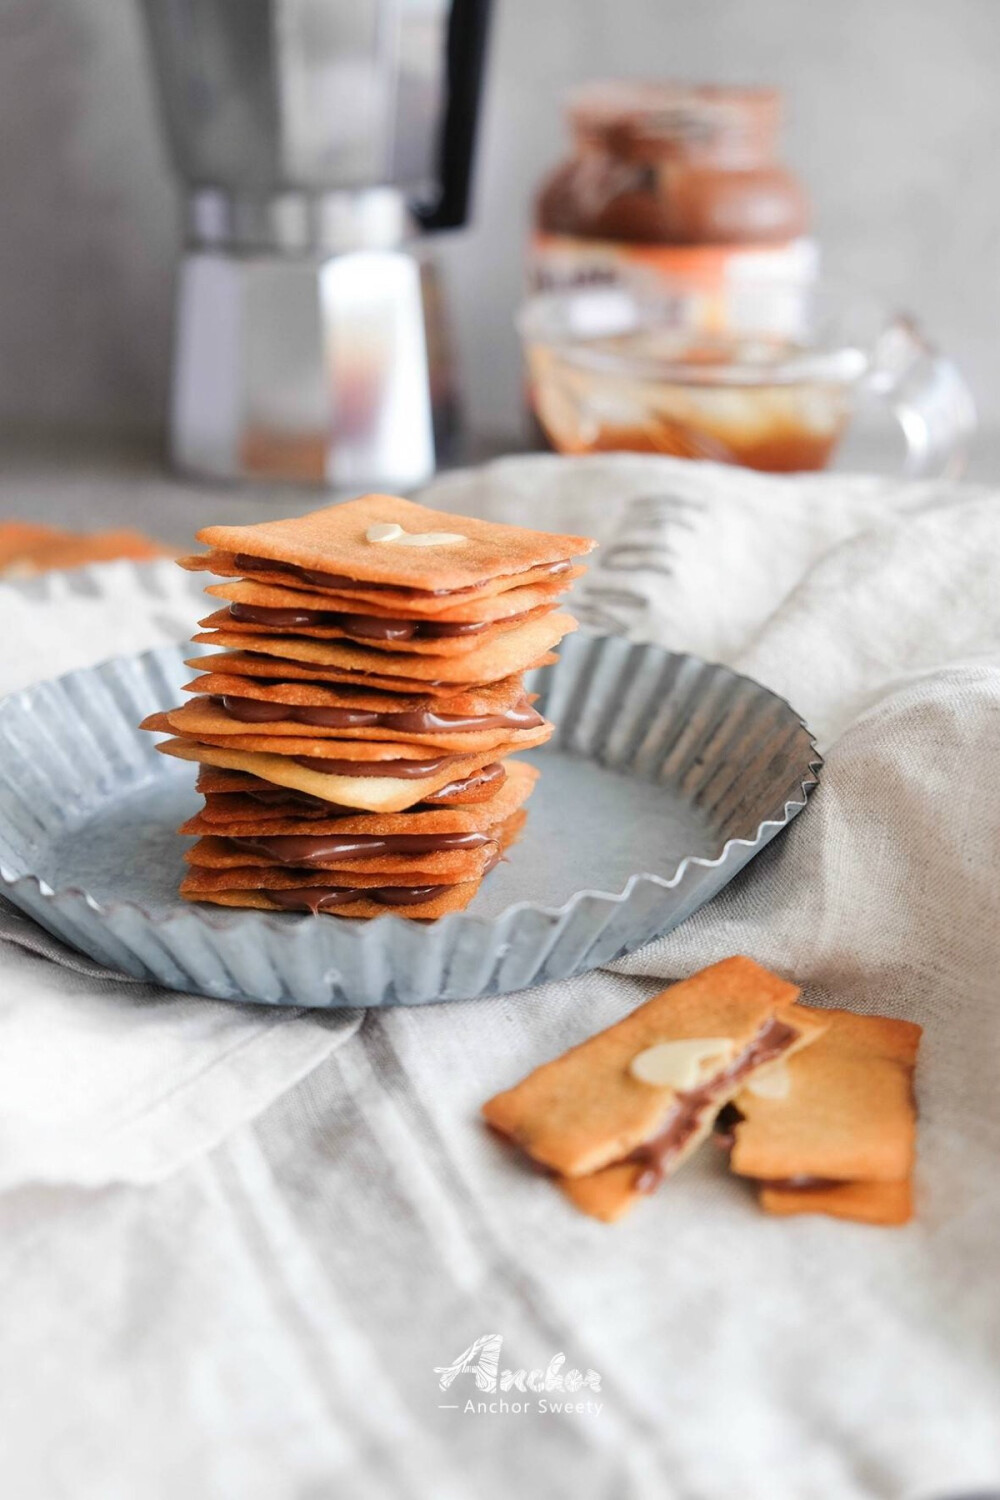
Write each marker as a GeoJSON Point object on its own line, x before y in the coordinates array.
{"type": "Point", "coordinates": [892, 120]}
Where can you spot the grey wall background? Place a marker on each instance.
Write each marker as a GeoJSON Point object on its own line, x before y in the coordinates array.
{"type": "Point", "coordinates": [893, 120]}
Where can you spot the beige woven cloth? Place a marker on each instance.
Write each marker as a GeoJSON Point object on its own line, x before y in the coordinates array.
{"type": "Point", "coordinates": [104, 1079]}
{"type": "Point", "coordinates": [267, 1321]}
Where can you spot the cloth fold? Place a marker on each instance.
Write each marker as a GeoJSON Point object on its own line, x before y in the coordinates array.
{"type": "Point", "coordinates": [104, 1079]}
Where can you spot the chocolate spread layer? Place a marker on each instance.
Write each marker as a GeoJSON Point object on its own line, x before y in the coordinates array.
{"type": "Point", "coordinates": [335, 581]}
{"type": "Point", "coordinates": [297, 801]}
{"type": "Point", "coordinates": [419, 721]}
{"type": "Point", "coordinates": [401, 768]}
{"type": "Point", "coordinates": [492, 775]}
{"type": "Point", "coordinates": [362, 627]}
{"type": "Point", "coordinates": [306, 849]}
{"type": "Point", "coordinates": [801, 1183]}
{"type": "Point", "coordinates": [316, 898]}
{"type": "Point", "coordinates": [688, 1112]}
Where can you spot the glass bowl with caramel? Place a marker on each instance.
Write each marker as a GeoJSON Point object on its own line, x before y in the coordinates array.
{"type": "Point", "coordinates": [766, 374]}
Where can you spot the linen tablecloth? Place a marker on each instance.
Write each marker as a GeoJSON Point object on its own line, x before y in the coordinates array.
{"type": "Point", "coordinates": [95, 1088]}
{"type": "Point", "coordinates": [266, 1319]}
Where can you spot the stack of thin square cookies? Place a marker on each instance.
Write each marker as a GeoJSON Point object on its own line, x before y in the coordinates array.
{"type": "Point", "coordinates": [354, 730]}
{"type": "Point", "coordinates": [815, 1106]}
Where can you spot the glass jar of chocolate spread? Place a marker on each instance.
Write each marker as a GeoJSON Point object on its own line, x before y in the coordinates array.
{"type": "Point", "coordinates": [669, 181]}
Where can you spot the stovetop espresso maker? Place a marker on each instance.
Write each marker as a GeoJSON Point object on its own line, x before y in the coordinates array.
{"type": "Point", "coordinates": [314, 138]}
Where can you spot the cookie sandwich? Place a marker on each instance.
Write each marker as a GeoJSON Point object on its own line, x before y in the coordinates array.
{"type": "Point", "coordinates": [615, 1116]}
{"type": "Point", "coordinates": [815, 1106]}
{"type": "Point", "coordinates": [833, 1130]}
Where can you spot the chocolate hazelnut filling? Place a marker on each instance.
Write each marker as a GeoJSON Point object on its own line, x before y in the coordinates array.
{"type": "Point", "coordinates": [335, 581]}
{"type": "Point", "coordinates": [296, 801]}
{"type": "Point", "coordinates": [724, 1128]}
{"type": "Point", "coordinates": [362, 627]}
{"type": "Point", "coordinates": [420, 721]}
{"type": "Point", "coordinates": [317, 898]}
{"type": "Point", "coordinates": [492, 775]}
{"type": "Point", "coordinates": [802, 1183]}
{"type": "Point", "coordinates": [687, 1115]}
{"type": "Point", "coordinates": [304, 849]}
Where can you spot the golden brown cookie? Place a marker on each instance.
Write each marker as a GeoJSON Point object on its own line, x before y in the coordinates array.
{"type": "Point", "coordinates": [491, 698]}
{"type": "Point", "coordinates": [212, 725]}
{"type": "Point", "coordinates": [367, 793]}
{"type": "Point", "coordinates": [364, 598]}
{"type": "Point", "coordinates": [885, 1203]}
{"type": "Point", "coordinates": [240, 815]}
{"type": "Point", "coordinates": [216, 866]}
{"type": "Point", "coordinates": [239, 794]}
{"type": "Point", "coordinates": [842, 1115]}
{"type": "Point", "coordinates": [513, 651]}
{"type": "Point", "coordinates": [337, 541]}
{"type": "Point", "coordinates": [475, 609]}
{"type": "Point", "coordinates": [27, 549]}
{"type": "Point", "coordinates": [356, 894]}
{"type": "Point", "coordinates": [18, 539]}
{"type": "Point", "coordinates": [335, 627]}
{"type": "Point", "coordinates": [445, 867]}
{"type": "Point", "coordinates": [248, 664]}
{"type": "Point", "coordinates": [848, 1112]}
{"type": "Point", "coordinates": [304, 744]}
{"type": "Point", "coordinates": [447, 898]}
{"type": "Point", "coordinates": [639, 1097]}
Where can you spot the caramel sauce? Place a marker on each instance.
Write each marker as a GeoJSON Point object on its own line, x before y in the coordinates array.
{"type": "Point", "coordinates": [784, 451]}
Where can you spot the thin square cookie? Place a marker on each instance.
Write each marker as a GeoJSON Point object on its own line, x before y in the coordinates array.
{"type": "Point", "coordinates": [403, 637]}
{"type": "Point", "coordinates": [437, 903]}
{"type": "Point", "coordinates": [346, 854]}
{"type": "Point", "coordinates": [297, 746]}
{"type": "Point", "coordinates": [840, 1116]}
{"type": "Point", "coordinates": [363, 598]}
{"type": "Point", "coordinates": [263, 798]}
{"type": "Point", "coordinates": [239, 816]}
{"type": "Point", "coordinates": [471, 702]}
{"type": "Point", "coordinates": [212, 725]}
{"type": "Point", "coordinates": [336, 540]}
{"type": "Point", "coordinates": [19, 538]}
{"type": "Point", "coordinates": [362, 896]}
{"type": "Point", "coordinates": [475, 609]}
{"type": "Point", "coordinates": [241, 663]}
{"type": "Point", "coordinates": [889, 1204]}
{"type": "Point", "coordinates": [630, 1104]}
{"type": "Point", "coordinates": [369, 793]}
{"type": "Point", "coordinates": [508, 653]}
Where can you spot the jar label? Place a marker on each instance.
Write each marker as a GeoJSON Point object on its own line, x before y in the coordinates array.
{"type": "Point", "coordinates": [710, 273]}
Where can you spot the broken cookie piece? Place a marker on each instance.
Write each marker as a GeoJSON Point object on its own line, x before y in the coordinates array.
{"type": "Point", "coordinates": [612, 1117]}
{"type": "Point", "coordinates": [838, 1137]}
